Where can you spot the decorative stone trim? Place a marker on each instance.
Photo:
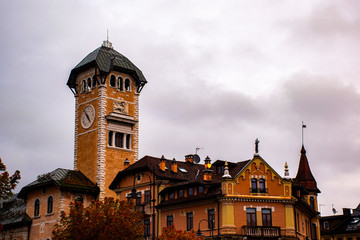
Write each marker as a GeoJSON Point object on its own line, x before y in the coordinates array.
{"type": "Point", "coordinates": [101, 142]}
{"type": "Point", "coordinates": [136, 128]}
{"type": "Point", "coordinates": [76, 130]}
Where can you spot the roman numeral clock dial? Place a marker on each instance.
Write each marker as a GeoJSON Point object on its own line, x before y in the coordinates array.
{"type": "Point", "coordinates": [87, 116]}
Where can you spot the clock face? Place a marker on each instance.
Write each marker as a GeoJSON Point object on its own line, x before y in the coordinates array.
{"type": "Point", "coordinates": [87, 116]}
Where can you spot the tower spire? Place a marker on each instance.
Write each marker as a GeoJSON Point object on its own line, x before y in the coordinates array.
{"type": "Point", "coordinates": [107, 43]}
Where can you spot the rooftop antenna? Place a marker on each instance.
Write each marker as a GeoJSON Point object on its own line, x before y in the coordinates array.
{"type": "Point", "coordinates": [302, 132]}
{"type": "Point", "coordinates": [197, 149]}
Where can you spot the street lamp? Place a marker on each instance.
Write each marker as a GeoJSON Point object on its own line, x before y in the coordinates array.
{"type": "Point", "coordinates": [212, 224]}
{"type": "Point", "coordinates": [134, 195]}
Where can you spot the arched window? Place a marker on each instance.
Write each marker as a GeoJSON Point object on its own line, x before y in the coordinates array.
{"type": "Point", "coordinates": [112, 81]}
{"type": "Point", "coordinates": [50, 205]}
{"type": "Point", "coordinates": [254, 185]}
{"type": "Point", "coordinates": [262, 185]}
{"type": "Point", "coordinates": [36, 207]}
{"type": "Point", "coordinates": [312, 202]}
{"type": "Point", "coordinates": [120, 84]}
{"type": "Point", "coordinates": [83, 86]}
{"type": "Point", "coordinates": [79, 198]}
{"type": "Point", "coordinates": [93, 81]}
{"type": "Point", "coordinates": [127, 84]}
{"type": "Point", "coordinates": [89, 84]}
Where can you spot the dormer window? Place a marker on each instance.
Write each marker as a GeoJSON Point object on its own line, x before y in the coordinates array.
{"type": "Point", "coordinates": [190, 191]}
{"type": "Point", "coordinates": [127, 85]}
{"type": "Point", "coordinates": [181, 193]}
{"type": "Point", "coordinates": [200, 189]}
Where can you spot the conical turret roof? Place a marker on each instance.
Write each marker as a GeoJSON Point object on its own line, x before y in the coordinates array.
{"type": "Point", "coordinates": [304, 176]}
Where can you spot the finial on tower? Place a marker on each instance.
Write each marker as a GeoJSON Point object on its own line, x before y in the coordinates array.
{"type": "Point", "coordinates": [286, 173]}
{"type": "Point", "coordinates": [256, 147]}
{"type": "Point", "coordinates": [107, 43]}
{"type": "Point", "coordinates": [302, 132]}
{"type": "Point", "coordinates": [226, 171]}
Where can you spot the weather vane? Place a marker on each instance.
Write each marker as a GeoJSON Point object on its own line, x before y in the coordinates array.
{"type": "Point", "coordinates": [257, 146]}
{"type": "Point", "coordinates": [302, 132]}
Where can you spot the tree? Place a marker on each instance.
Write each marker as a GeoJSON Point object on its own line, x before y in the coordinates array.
{"type": "Point", "coordinates": [170, 233]}
{"type": "Point", "coordinates": [101, 220]}
{"type": "Point", "coordinates": [7, 182]}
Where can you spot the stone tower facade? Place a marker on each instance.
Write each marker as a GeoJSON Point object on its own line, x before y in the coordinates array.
{"type": "Point", "coordinates": [106, 86]}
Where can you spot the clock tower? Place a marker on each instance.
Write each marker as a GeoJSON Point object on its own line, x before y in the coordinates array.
{"type": "Point", "coordinates": [106, 86]}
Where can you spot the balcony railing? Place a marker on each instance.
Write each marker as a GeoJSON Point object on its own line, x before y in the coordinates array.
{"type": "Point", "coordinates": [261, 231]}
{"type": "Point", "coordinates": [258, 190]}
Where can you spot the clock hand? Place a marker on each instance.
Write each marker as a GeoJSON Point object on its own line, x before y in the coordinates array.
{"type": "Point", "coordinates": [87, 116]}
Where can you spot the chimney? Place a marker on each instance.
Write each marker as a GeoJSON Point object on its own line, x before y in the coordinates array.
{"type": "Point", "coordinates": [126, 163]}
{"type": "Point", "coordinates": [162, 163]}
{"type": "Point", "coordinates": [174, 166]}
{"type": "Point", "coordinates": [207, 171]}
{"type": "Point", "coordinates": [347, 211]}
{"type": "Point", "coordinates": [189, 158]}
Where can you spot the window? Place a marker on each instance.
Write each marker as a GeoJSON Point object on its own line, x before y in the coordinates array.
{"type": "Point", "coordinates": [83, 86]}
{"type": "Point", "coordinates": [119, 140]}
{"type": "Point", "coordinates": [219, 169]}
{"type": "Point", "coordinates": [50, 205]}
{"type": "Point", "coordinates": [171, 195]}
{"type": "Point", "coordinates": [147, 227]}
{"type": "Point", "coordinates": [190, 191]}
{"type": "Point", "coordinates": [266, 217]}
{"type": "Point", "coordinates": [120, 84]}
{"type": "Point", "coordinates": [262, 185]}
{"type": "Point", "coordinates": [312, 202]}
{"type": "Point", "coordinates": [189, 221]}
{"type": "Point", "coordinates": [200, 189]}
{"type": "Point", "coordinates": [112, 81]}
{"type": "Point", "coordinates": [211, 218]}
{"type": "Point", "coordinates": [110, 138]}
{"type": "Point", "coordinates": [93, 81]}
{"type": "Point", "coordinates": [79, 198]}
{"type": "Point", "coordinates": [138, 199]}
{"type": "Point", "coordinates": [147, 197]}
{"type": "Point", "coordinates": [89, 84]}
{"type": "Point", "coordinates": [128, 138]}
{"type": "Point", "coordinates": [181, 193]}
{"type": "Point", "coordinates": [169, 220]}
{"type": "Point", "coordinates": [127, 85]}
{"type": "Point", "coordinates": [251, 216]}
{"type": "Point", "coordinates": [36, 207]}
{"type": "Point", "coordinates": [254, 185]}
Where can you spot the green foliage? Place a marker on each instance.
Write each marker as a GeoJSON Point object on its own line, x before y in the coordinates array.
{"type": "Point", "coordinates": [7, 182]}
{"type": "Point", "coordinates": [101, 220]}
{"type": "Point", "coordinates": [170, 233]}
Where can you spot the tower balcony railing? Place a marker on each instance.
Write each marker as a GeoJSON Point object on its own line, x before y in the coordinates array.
{"type": "Point", "coordinates": [260, 231]}
{"type": "Point", "coordinates": [258, 190]}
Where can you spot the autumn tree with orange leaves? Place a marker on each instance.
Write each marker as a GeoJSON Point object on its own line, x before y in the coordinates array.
{"type": "Point", "coordinates": [102, 220]}
{"type": "Point", "coordinates": [7, 182]}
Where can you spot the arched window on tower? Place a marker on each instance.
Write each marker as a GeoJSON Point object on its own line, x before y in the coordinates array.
{"type": "Point", "coordinates": [50, 205]}
{"type": "Point", "coordinates": [93, 81]}
{"type": "Point", "coordinates": [254, 185]}
{"type": "Point", "coordinates": [89, 84]}
{"type": "Point", "coordinates": [79, 198]}
{"type": "Point", "coordinates": [127, 85]}
{"type": "Point", "coordinates": [83, 86]}
{"type": "Point", "coordinates": [312, 202]}
{"type": "Point", "coordinates": [120, 84]}
{"type": "Point", "coordinates": [262, 185]}
{"type": "Point", "coordinates": [36, 207]}
{"type": "Point", "coordinates": [112, 81]}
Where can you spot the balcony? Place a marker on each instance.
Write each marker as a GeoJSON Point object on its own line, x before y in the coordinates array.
{"type": "Point", "coordinates": [255, 231]}
{"type": "Point", "coordinates": [258, 190]}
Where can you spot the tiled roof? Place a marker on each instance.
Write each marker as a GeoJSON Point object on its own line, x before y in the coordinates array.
{"type": "Point", "coordinates": [65, 179]}
{"type": "Point", "coordinates": [304, 176]}
{"type": "Point", "coordinates": [13, 212]}
{"type": "Point", "coordinates": [106, 59]}
{"type": "Point", "coordinates": [191, 172]}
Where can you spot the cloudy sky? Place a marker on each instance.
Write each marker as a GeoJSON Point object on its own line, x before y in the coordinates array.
{"type": "Point", "coordinates": [220, 74]}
